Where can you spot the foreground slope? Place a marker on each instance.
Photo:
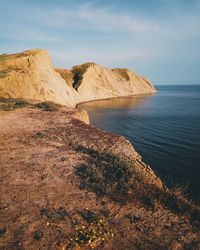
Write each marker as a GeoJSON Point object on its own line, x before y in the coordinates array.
{"type": "Point", "coordinates": [30, 74]}
{"type": "Point", "coordinates": [67, 185]}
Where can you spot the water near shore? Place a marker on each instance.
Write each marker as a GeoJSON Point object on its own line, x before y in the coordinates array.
{"type": "Point", "coordinates": [164, 129]}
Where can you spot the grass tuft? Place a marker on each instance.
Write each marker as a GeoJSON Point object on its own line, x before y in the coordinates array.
{"type": "Point", "coordinates": [108, 179]}
{"type": "Point", "coordinates": [12, 104]}
{"type": "Point", "coordinates": [89, 216]}
{"type": "Point", "coordinates": [48, 106]}
{"type": "Point", "coordinates": [15, 103]}
{"type": "Point", "coordinates": [106, 174]}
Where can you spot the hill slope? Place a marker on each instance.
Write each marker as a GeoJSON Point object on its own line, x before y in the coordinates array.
{"type": "Point", "coordinates": [31, 75]}
{"type": "Point", "coordinates": [67, 185]}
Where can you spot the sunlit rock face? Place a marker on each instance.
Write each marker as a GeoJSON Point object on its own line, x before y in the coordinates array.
{"type": "Point", "coordinates": [30, 75]}
{"type": "Point", "coordinates": [93, 81]}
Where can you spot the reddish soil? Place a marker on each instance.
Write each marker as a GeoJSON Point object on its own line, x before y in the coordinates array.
{"type": "Point", "coordinates": [44, 204]}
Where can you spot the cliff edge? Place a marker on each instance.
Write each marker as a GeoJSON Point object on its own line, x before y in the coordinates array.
{"type": "Point", "coordinates": [66, 185]}
{"type": "Point", "coordinates": [31, 75]}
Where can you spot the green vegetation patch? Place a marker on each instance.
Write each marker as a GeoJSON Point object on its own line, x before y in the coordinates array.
{"type": "Point", "coordinates": [88, 235]}
{"type": "Point", "coordinates": [94, 229]}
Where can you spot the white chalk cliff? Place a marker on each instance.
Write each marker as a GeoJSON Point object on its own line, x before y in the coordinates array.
{"type": "Point", "coordinates": [31, 75]}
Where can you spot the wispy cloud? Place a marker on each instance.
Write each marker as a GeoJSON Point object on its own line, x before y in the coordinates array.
{"type": "Point", "coordinates": [88, 17]}
{"type": "Point", "coordinates": [107, 57]}
{"type": "Point", "coordinates": [105, 19]}
{"type": "Point", "coordinates": [86, 31]}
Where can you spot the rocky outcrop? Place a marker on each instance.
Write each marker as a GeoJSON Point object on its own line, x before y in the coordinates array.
{"type": "Point", "coordinates": [31, 75]}
{"type": "Point", "coordinates": [94, 82]}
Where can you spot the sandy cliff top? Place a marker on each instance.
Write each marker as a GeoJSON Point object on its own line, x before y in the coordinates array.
{"type": "Point", "coordinates": [30, 75]}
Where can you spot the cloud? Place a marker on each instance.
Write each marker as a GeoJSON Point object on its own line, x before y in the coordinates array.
{"type": "Point", "coordinates": [163, 37]}
{"type": "Point", "coordinates": [86, 17]}
{"type": "Point", "coordinates": [108, 57]}
{"type": "Point", "coordinates": [105, 19]}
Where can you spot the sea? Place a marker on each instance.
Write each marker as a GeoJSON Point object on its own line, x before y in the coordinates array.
{"type": "Point", "coordinates": [164, 129]}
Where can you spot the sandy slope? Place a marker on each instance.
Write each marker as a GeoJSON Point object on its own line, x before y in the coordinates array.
{"type": "Point", "coordinates": [31, 75]}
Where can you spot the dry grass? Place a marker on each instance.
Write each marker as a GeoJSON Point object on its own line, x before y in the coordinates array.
{"type": "Point", "coordinates": [106, 174]}
{"type": "Point", "coordinates": [48, 106]}
{"type": "Point", "coordinates": [109, 175]}
{"type": "Point", "coordinates": [12, 104]}
{"type": "Point", "coordinates": [8, 104]}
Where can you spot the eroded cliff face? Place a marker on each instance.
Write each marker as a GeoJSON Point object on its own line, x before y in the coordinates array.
{"type": "Point", "coordinates": [93, 81]}
{"type": "Point", "coordinates": [31, 75]}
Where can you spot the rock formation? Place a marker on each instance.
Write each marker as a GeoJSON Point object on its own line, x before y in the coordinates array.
{"type": "Point", "coordinates": [31, 75]}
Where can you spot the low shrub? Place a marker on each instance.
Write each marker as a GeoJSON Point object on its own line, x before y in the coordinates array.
{"type": "Point", "coordinates": [48, 106]}
{"type": "Point", "coordinates": [110, 175]}
{"type": "Point", "coordinates": [89, 234]}
{"type": "Point", "coordinates": [89, 216]}
{"type": "Point", "coordinates": [12, 104]}
{"type": "Point", "coordinates": [106, 174]}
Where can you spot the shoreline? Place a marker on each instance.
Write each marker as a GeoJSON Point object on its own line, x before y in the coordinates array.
{"type": "Point", "coordinates": [117, 97]}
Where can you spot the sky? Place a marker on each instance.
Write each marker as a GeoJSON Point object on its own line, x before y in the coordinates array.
{"type": "Point", "coordinates": [159, 39]}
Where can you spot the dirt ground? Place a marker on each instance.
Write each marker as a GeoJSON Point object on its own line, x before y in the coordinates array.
{"type": "Point", "coordinates": [50, 199]}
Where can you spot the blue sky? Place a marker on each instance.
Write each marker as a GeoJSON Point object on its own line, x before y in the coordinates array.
{"type": "Point", "coordinates": [159, 39]}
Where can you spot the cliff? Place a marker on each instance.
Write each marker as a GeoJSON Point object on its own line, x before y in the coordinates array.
{"type": "Point", "coordinates": [67, 185]}
{"type": "Point", "coordinates": [93, 82]}
{"type": "Point", "coordinates": [30, 75]}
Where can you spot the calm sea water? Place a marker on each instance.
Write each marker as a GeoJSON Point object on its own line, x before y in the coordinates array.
{"type": "Point", "coordinates": [163, 128]}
